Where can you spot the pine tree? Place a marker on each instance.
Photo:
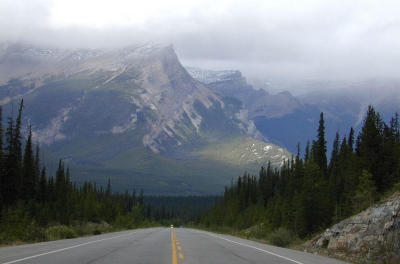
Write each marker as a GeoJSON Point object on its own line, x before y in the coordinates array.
{"type": "Point", "coordinates": [108, 190]}
{"type": "Point", "coordinates": [37, 171]}
{"type": "Point", "coordinates": [369, 147]}
{"type": "Point", "coordinates": [2, 170]}
{"type": "Point", "coordinates": [307, 151]}
{"type": "Point", "coordinates": [17, 147]}
{"type": "Point", "coordinates": [320, 156]}
{"type": "Point", "coordinates": [42, 189]}
{"type": "Point", "coordinates": [351, 139]}
{"type": "Point", "coordinates": [335, 178]}
{"type": "Point", "coordinates": [11, 175]}
{"type": "Point", "coordinates": [61, 193]}
{"type": "Point", "coordinates": [28, 170]}
{"type": "Point", "coordinates": [366, 192]}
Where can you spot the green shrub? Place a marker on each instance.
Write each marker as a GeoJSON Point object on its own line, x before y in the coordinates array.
{"type": "Point", "coordinates": [59, 232]}
{"type": "Point", "coordinates": [14, 224]}
{"type": "Point", "coordinates": [259, 231]}
{"type": "Point", "coordinates": [34, 233]}
{"type": "Point", "coordinates": [96, 232]}
{"type": "Point", "coordinates": [281, 237]}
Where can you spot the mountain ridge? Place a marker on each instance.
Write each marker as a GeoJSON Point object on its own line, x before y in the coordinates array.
{"type": "Point", "coordinates": [104, 111]}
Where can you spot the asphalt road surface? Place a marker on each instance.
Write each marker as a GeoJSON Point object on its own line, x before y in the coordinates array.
{"type": "Point", "coordinates": [157, 246]}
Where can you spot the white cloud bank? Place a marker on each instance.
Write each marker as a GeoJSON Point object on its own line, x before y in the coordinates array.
{"type": "Point", "coordinates": [324, 39]}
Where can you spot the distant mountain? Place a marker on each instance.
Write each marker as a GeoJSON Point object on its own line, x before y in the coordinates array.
{"type": "Point", "coordinates": [258, 102]}
{"type": "Point", "coordinates": [288, 120]}
{"type": "Point", "coordinates": [133, 114]}
{"type": "Point", "coordinates": [352, 98]}
{"type": "Point", "coordinates": [281, 117]}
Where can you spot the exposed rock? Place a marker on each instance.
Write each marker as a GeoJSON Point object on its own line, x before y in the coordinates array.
{"type": "Point", "coordinates": [372, 234]}
{"type": "Point", "coordinates": [133, 112]}
{"type": "Point", "coordinates": [258, 102]}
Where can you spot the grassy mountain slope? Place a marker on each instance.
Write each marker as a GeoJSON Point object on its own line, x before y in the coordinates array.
{"type": "Point", "coordinates": [135, 115]}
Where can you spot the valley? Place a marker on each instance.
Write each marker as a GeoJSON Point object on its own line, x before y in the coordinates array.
{"type": "Point", "coordinates": [133, 114]}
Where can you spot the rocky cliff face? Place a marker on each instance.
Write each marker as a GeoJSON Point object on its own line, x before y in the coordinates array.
{"type": "Point", "coordinates": [257, 102]}
{"type": "Point", "coordinates": [280, 117]}
{"type": "Point", "coordinates": [134, 111]}
{"type": "Point", "coordinates": [287, 120]}
{"type": "Point", "coordinates": [373, 234]}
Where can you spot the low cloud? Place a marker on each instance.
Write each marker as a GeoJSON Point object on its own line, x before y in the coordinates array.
{"type": "Point", "coordinates": [265, 39]}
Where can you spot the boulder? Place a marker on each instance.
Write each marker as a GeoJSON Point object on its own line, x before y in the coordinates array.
{"type": "Point", "coordinates": [373, 233]}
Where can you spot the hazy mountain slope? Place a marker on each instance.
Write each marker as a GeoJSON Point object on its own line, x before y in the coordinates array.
{"type": "Point", "coordinates": [133, 114]}
{"type": "Point", "coordinates": [281, 117]}
{"type": "Point", "coordinates": [287, 120]}
{"type": "Point", "coordinates": [352, 99]}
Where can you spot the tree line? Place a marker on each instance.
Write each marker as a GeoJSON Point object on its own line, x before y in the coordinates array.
{"type": "Point", "coordinates": [30, 199]}
{"type": "Point", "coordinates": [308, 194]}
{"type": "Point", "coordinates": [177, 210]}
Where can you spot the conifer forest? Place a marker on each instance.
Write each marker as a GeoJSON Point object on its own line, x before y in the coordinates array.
{"type": "Point", "coordinates": [308, 193]}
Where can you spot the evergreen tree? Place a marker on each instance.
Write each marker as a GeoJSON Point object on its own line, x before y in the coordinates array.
{"type": "Point", "coordinates": [37, 171]}
{"type": "Point", "coordinates": [42, 188]}
{"type": "Point", "coordinates": [2, 171]}
{"type": "Point", "coordinates": [320, 156]}
{"type": "Point", "coordinates": [351, 139]}
{"type": "Point", "coordinates": [17, 147]}
{"type": "Point", "coordinates": [108, 190]}
{"type": "Point", "coordinates": [307, 151]}
{"type": "Point", "coordinates": [335, 178]}
{"type": "Point", "coordinates": [366, 192]}
{"type": "Point", "coordinates": [369, 147]}
{"type": "Point", "coordinates": [11, 175]}
{"type": "Point", "coordinates": [28, 170]}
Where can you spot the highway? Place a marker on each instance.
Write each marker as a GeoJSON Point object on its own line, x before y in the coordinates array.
{"type": "Point", "coordinates": [158, 246]}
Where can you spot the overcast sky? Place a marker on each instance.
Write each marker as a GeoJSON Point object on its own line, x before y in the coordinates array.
{"type": "Point", "coordinates": [301, 39]}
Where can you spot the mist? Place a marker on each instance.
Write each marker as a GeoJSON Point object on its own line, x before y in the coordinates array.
{"type": "Point", "coordinates": [277, 40]}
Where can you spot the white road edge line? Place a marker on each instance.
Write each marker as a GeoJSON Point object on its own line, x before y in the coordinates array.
{"type": "Point", "coordinates": [63, 249]}
{"type": "Point", "coordinates": [245, 245]}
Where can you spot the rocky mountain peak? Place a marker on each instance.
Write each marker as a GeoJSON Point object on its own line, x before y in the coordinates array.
{"type": "Point", "coordinates": [100, 107]}
{"type": "Point", "coordinates": [210, 76]}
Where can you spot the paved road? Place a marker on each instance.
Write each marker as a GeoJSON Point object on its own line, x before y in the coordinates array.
{"type": "Point", "coordinates": [158, 246]}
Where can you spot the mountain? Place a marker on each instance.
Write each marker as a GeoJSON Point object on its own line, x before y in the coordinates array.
{"type": "Point", "coordinates": [352, 98]}
{"type": "Point", "coordinates": [288, 120]}
{"type": "Point", "coordinates": [258, 102]}
{"type": "Point", "coordinates": [281, 117]}
{"type": "Point", "coordinates": [132, 114]}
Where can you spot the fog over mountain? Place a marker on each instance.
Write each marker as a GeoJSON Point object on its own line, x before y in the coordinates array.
{"type": "Point", "coordinates": [285, 41]}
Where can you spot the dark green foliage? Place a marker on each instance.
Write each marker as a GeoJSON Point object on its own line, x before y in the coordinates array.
{"type": "Point", "coordinates": [281, 237]}
{"type": "Point", "coordinates": [366, 191]}
{"type": "Point", "coordinates": [178, 210]}
{"type": "Point", "coordinates": [320, 154]}
{"type": "Point", "coordinates": [2, 171]}
{"type": "Point", "coordinates": [307, 195]}
{"type": "Point", "coordinates": [29, 180]}
{"type": "Point", "coordinates": [59, 232]}
{"type": "Point", "coordinates": [35, 207]}
{"type": "Point", "coordinates": [12, 179]}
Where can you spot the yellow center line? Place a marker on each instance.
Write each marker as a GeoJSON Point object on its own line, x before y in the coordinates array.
{"type": "Point", "coordinates": [174, 258]}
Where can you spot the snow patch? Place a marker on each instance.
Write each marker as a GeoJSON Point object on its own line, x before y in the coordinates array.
{"type": "Point", "coordinates": [267, 148]}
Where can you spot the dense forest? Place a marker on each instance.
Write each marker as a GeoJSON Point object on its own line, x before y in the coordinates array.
{"type": "Point", "coordinates": [309, 193]}
{"type": "Point", "coordinates": [178, 210]}
{"type": "Point", "coordinates": [35, 206]}
{"type": "Point", "coordinates": [304, 196]}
